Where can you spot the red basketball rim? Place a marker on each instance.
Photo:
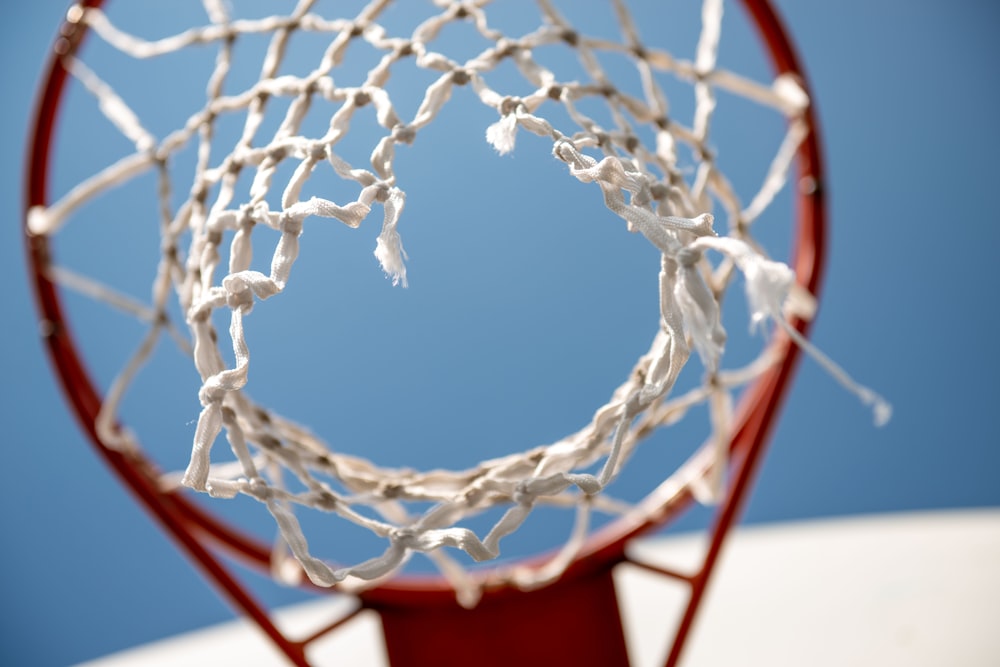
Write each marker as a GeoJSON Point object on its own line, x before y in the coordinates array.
{"type": "Point", "coordinates": [191, 524]}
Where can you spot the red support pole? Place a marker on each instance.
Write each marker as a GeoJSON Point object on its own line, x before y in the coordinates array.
{"type": "Point", "coordinates": [572, 622]}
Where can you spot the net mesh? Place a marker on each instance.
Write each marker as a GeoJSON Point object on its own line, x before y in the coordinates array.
{"type": "Point", "coordinates": [638, 158]}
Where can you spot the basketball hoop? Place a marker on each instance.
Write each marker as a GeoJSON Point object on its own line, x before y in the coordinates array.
{"type": "Point", "coordinates": [658, 174]}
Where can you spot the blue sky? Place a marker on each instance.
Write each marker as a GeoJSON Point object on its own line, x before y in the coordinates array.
{"type": "Point", "coordinates": [907, 104]}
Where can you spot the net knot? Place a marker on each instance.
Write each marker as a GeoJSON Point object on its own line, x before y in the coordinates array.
{"type": "Point", "coordinates": [361, 98]}
{"type": "Point", "coordinates": [404, 134]}
{"type": "Point", "coordinates": [290, 221]}
{"type": "Point", "coordinates": [239, 297]}
{"type": "Point", "coordinates": [509, 105]}
{"type": "Point", "coordinates": [259, 489]}
{"type": "Point", "coordinates": [522, 494]}
{"type": "Point", "coordinates": [240, 289]}
{"type": "Point", "coordinates": [502, 134]}
{"type": "Point", "coordinates": [405, 536]}
{"type": "Point", "coordinates": [687, 256]}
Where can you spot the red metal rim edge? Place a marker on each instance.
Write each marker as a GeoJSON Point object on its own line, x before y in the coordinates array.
{"type": "Point", "coordinates": [190, 523]}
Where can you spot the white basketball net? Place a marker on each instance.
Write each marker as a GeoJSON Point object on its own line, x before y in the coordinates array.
{"type": "Point", "coordinates": [669, 202]}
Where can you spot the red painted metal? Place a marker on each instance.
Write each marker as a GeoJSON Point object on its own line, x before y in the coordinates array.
{"type": "Point", "coordinates": [512, 629]}
{"type": "Point", "coordinates": [575, 620]}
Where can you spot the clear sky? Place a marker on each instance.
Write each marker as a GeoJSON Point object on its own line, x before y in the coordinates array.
{"type": "Point", "coordinates": [908, 103]}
